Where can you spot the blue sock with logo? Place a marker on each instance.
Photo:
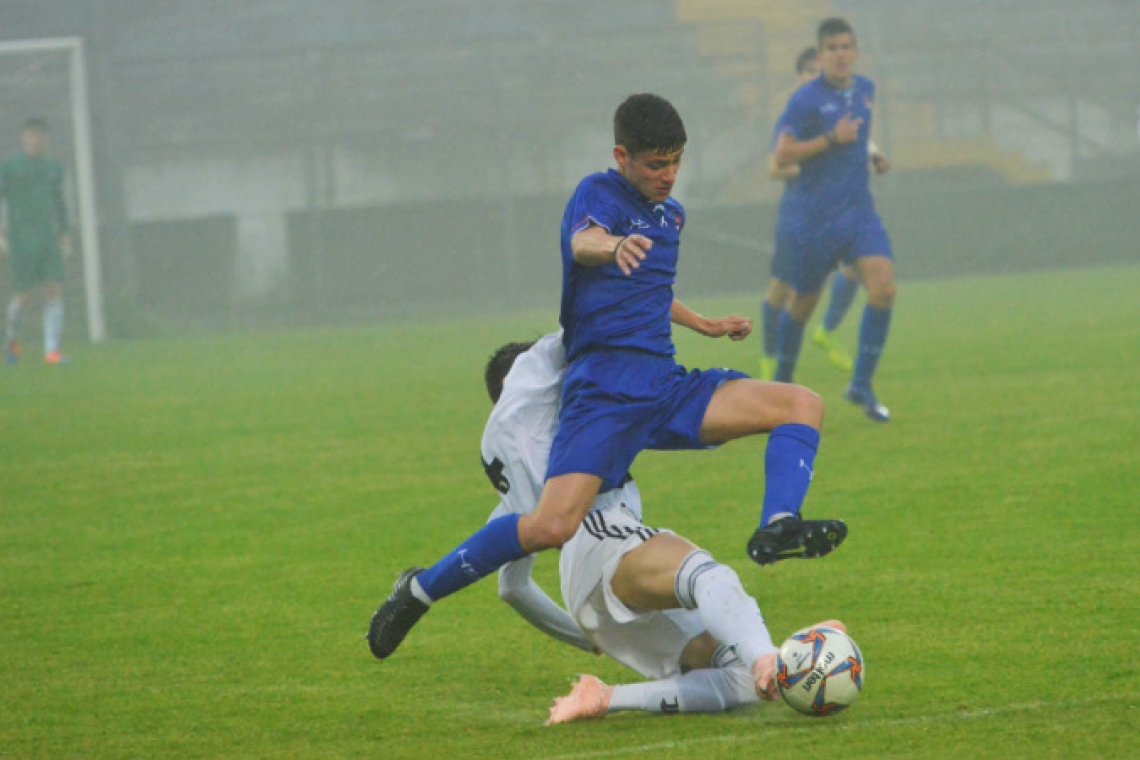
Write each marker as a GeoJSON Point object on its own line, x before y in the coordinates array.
{"type": "Point", "coordinates": [789, 462]}
{"type": "Point", "coordinates": [842, 294]}
{"type": "Point", "coordinates": [872, 338]}
{"type": "Point", "coordinates": [770, 317]}
{"type": "Point", "coordinates": [484, 552]}
{"type": "Point", "coordinates": [790, 339]}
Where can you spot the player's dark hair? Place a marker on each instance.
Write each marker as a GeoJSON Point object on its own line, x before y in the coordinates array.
{"type": "Point", "coordinates": [36, 124]}
{"type": "Point", "coordinates": [648, 122]}
{"type": "Point", "coordinates": [833, 27]}
{"type": "Point", "coordinates": [805, 58]}
{"type": "Point", "coordinates": [499, 365]}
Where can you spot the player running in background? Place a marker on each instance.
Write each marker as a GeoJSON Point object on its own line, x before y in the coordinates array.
{"type": "Point", "coordinates": [844, 283]}
{"type": "Point", "coordinates": [624, 391]}
{"type": "Point", "coordinates": [32, 186]}
{"type": "Point", "coordinates": [827, 215]}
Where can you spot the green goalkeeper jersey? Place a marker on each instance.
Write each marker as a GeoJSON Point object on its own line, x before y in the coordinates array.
{"type": "Point", "coordinates": [33, 190]}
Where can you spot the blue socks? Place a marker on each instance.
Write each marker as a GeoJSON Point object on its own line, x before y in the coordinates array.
{"type": "Point", "coordinates": [842, 294]}
{"type": "Point", "coordinates": [790, 339]}
{"type": "Point", "coordinates": [484, 552]}
{"type": "Point", "coordinates": [770, 318]}
{"type": "Point", "coordinates": [788, 464]}
{"type": "Point", "coordinates": [872, 337]}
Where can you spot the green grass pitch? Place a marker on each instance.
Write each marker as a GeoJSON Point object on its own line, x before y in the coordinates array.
{"type": "Point", "coordinates": [194, 533]}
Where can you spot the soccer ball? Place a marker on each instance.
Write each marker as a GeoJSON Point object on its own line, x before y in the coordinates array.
{"type": "Point", "coordinates": [819, 671]}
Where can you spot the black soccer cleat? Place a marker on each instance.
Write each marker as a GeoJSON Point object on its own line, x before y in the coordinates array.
{"type": "Point", "coordinates": [396, 616]}
{"type": "Point", "coordinates": [791, 537]}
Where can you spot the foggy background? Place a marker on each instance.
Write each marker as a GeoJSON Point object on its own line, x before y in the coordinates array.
{"type": "Point", "coordinates": [269, 162]}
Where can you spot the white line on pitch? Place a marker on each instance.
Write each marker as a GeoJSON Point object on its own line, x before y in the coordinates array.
{"type": "Point", "coordinates": [847, 725]}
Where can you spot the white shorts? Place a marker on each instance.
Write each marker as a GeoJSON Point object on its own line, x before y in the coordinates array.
{"type": "Point", "coordinates": [649, 642]}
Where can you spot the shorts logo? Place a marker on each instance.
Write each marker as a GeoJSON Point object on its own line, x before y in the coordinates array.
{"type": "Point", "coordinates": [595, 525]}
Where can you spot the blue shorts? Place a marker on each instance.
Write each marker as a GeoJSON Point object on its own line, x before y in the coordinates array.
{"type": "Point", "coordinates": [816, 250]}
{"type": "Point", "coordinates": [617, 403]}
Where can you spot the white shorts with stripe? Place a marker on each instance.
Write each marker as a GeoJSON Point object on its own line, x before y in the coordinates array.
{"type": "Point", "coordinates": [649, 642]}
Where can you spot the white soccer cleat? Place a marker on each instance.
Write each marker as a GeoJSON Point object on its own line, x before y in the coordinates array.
{"type": "Point", "coordinates": [589, 698]}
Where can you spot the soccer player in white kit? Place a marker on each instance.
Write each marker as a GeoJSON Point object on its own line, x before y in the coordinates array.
{"type": "Point", "coordinates": [695, 631]}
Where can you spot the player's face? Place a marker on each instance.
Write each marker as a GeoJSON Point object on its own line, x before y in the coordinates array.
{"type": "Point", "coordinates": [837, 56]}
{"type": "Point", "coordinates": [34, 142]}
{"type": "Point", "coordinates": [652, 173]}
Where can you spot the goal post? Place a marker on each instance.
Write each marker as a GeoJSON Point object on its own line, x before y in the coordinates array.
{"type": "Point", "coordinates": [79, 110]}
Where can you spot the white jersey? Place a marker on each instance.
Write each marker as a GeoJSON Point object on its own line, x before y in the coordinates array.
{"type": "Point", "coordinates": [515, 451]}
{"type": "Point", "coordinates": [517, 438]}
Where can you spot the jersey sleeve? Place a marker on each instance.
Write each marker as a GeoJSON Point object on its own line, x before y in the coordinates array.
{"type": "Point", "coordinates": [794, 121]}
{"type": "Point", "coordinates": [594, 203]}
{"type": "Point", "coordinates": [518, 589]}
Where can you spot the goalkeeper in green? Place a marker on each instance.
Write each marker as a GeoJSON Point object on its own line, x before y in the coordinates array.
{"type": "Point", "coordinates": [31, 185]}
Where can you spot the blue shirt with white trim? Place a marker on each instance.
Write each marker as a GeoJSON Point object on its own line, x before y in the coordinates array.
{"type": "Point", "coordinates": [603, 308]}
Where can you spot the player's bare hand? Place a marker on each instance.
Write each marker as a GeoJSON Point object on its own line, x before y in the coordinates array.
{"type": "Point", "coordinates": [880, 163]}
{"type": "Point", "coordinates": [847, 129]}
{"type": "Point", "coordinates": [735, 327]}
{"type": "Point", "coordinates": [631, 251]}
{"type": "Point", "coordinates": [836, 624]}
{"type": "Point", "coordinates": [764, 676]}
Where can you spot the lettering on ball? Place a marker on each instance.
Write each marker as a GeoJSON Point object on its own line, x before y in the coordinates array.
{"type": "Point", "coordinates": [817, 673]}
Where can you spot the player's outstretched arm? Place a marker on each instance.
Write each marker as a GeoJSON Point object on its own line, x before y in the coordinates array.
{"type": "Point", "coordinates": [518, 589]}
{"type": "Point", "coordinates": [735, 327]}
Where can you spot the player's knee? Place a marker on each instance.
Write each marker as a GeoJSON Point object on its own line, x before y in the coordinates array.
{"type": "Point", "coordinates": [881, 294]}
{"type": "Point", "coordinates": [547, 532]}
{"type": "Point", "coordinates": [805, 407]}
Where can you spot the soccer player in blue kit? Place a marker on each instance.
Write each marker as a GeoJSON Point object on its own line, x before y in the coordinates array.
{"type": "Point", "coordinates": [827, 214]}
{"type": "Point", "coordinates": [624, 391]}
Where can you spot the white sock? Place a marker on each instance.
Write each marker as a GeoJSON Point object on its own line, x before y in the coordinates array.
{"type": "Point", "coordinates": [708, 690]}
{"type": "Point", "coordinates": [13, 319]}
{"type": "Point", "coordinates": [732, 616]}
{"type": "Point", "coordinates": [53, 324]}
{"type": "Point", "coordinates": [419, 593]}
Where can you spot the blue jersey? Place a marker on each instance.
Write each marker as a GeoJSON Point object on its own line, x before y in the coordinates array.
{"type": "Point", "coordinates": [602, 308]}
{"type": "Point", "coordinates": [836, 181]}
